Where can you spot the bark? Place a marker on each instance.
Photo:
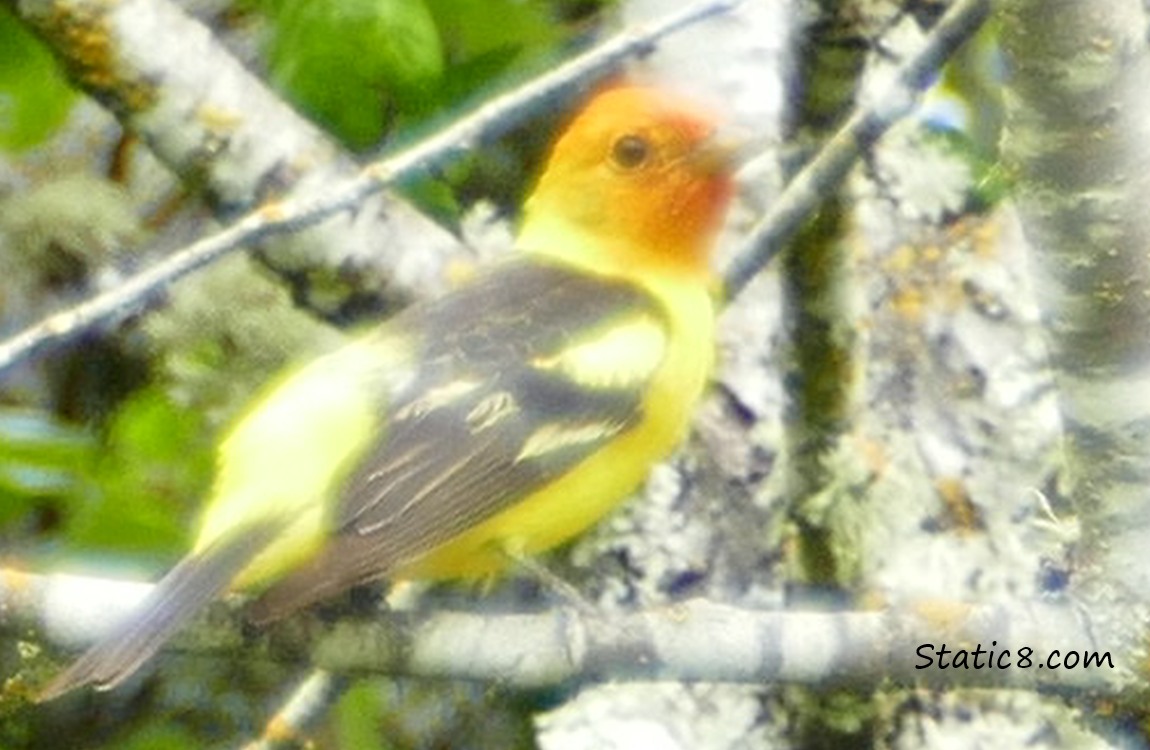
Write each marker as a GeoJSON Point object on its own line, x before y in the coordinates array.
{"type": "Point", "coordinates": [1076, 138]}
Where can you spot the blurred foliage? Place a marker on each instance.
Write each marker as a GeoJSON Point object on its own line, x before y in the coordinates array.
{"type": "Point", "coordinates": [484, 41]}
{"type": "Point", "coordinates": [35, 98]}
{"type": "Point", "coordinates": [64, 228]}
{"type": "Point", "coordinates": [963, 112]}
{"type": "Point", "coordinates": [127, 489]}
{"type": "Point", "coordinates": [224, 333]}
{"type": "Point", "coordinates": [155, 735]}
{"type": "Point", "coordinates": [78, 468]}
{"type": "Point", "coordinates": [989, 182]}
{"type": "Point", "coordinates": [155, 460]}
{"type": "Point", "coordinates": [358, 715]}
{"type": "Point", "coordinates": [360, 68]}
{"type": "Point", "coordinates": [40, 456]}
{"type": "Point", "coordinates": [56, 238]}
{"type": "Point", "coordinates": [382, 714]}
{"type": "Point", "coordinates": [368, 69]}
{"type": "Point", "coordinates": [376, 72]}
{"type": "Point", "coordinates": [196, 703]}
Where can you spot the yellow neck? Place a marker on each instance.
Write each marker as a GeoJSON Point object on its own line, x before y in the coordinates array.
{"type": "Point", "coordinates": [547, 234]}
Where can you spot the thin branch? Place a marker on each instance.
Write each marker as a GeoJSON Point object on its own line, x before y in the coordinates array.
{"type": "Point", "coordinates": [801, 197]}
{"type": "Point", "coordinates": [170, 81]}
{"type": "Point", "coordinates": [305, 210]}
{"type": "Point", "coordinates": [306, 705]}
{"type": "Point", "coordinates": [567, 645]}
{"type": "Point", "coordinates": [834, 160]}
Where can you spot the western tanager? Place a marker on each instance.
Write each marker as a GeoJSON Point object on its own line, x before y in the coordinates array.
{"type": "Point", "coordinates": [500, 419]}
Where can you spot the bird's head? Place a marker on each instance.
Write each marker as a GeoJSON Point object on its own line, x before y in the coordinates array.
{"type": "Point", "coordinates": [642, 175]}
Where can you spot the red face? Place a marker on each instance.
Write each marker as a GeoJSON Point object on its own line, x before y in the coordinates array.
{"type": "Point", "coordinates": [642, 166]}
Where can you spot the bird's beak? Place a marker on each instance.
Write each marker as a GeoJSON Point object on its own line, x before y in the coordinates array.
{"type": "Point", "coordinates": [723, 153]}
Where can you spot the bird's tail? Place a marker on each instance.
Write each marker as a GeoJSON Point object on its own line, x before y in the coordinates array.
{"type": "Point", "coordinates": [186, 589]}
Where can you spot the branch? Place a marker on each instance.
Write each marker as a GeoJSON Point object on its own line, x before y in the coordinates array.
{"type": "Point", "coordinates": [1074, 141]}
{"type": "Point", "coordinates": [805, 191]}
{"type": "Point", "coordinates": [310, 204]}
{"type": "Point", "coordinates": [766, 239]}
{"type": "Point", "coordinates": [564, 645]}
{"type": "Point", "coordinates": [307, 704]}
{"type": "Point", "coordinates": [169, 80]}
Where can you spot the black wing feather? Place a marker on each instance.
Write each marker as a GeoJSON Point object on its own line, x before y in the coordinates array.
{"type": "Point", "coordinates": [434, 475]}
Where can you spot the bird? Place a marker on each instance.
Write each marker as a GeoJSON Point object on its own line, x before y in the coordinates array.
{"type": "Point", "coordinates": [491, 423]}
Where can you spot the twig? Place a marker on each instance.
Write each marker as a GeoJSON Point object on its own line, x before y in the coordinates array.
{"type": "Point", "coordinates": [804, 193]}
{"type": "Point", "coordinates": [309, 702]}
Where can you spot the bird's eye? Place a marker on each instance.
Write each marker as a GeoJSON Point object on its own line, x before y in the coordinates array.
{"type": "Point", "coordinates": [630, 151]}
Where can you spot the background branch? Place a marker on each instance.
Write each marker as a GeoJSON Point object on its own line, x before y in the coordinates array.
{"type": "Point", "coordinates": [564, 646]}
{"type": "Point", "coordinates": [835, 158]}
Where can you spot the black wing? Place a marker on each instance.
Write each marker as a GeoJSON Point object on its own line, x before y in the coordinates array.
{"type": "Point", "coordinates": [504, 400]}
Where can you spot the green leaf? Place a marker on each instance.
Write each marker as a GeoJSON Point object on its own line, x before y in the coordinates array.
{"type": "Point", "coordinates": [359, 67]}
{"type": "Point", "coordinates": [35, 98]}
{"type": "Point", "coordinates": [489, 39]}
{"type": "Point", "coordinates": [154, 734]}
{"type": "Point", "coordinates": [359, 717]}
{"type": "Point", "coordinates": [155, 464]}
{"type": "Point", "coordinates": [507, 26]}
